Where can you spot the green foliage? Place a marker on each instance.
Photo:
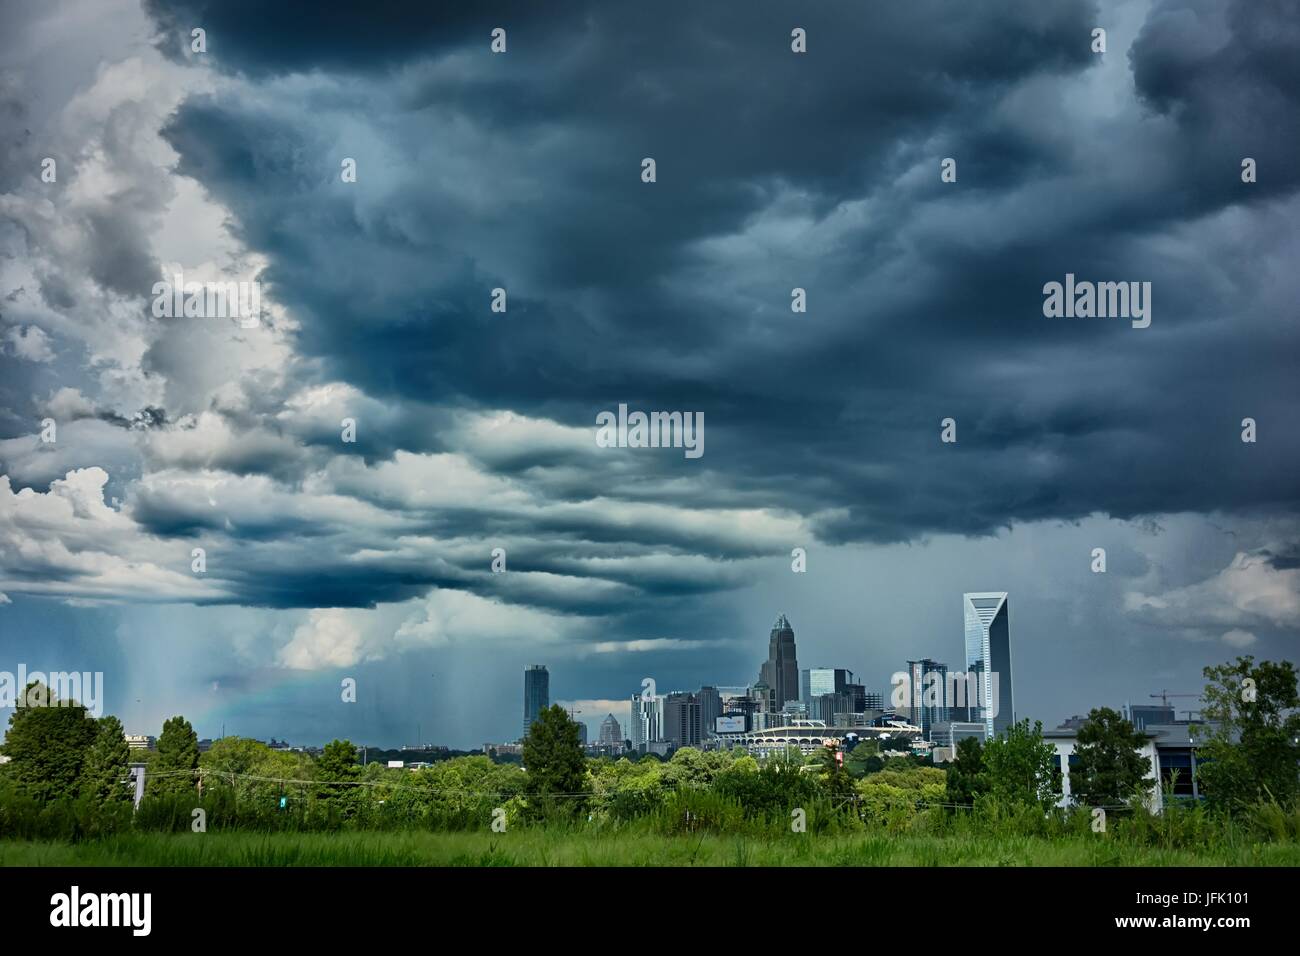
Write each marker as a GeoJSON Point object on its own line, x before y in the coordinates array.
{"type": "Point", "coordinates": [691, 810]}
{"type": "Point", "coordinates": [893, 798]}
{"type": "Point", "coordinates": [47, 745]}
{"type": "Point", "coordinates": [835, 780]}
{"type": "Point", "coordinates": [553, 757]}
{"type": "Point", "coordinates": [965, 778]}
{"type": "Point", "coordinates": [864, 759]}
{"type": "Point", "coordinates": [1019, 766]}
{"type": "Point", "coordinates": [1108, 769]}
{"type": "Point", "coordinates": [1250, 753]}
{"type": "Point", "coordinates": [105, 768]}
{"type": "Point", "coordinates": [337, 768]}
{"type": "Point", "coordinates": [178, 755]}
{"type": "Point", "coordinates": [897, 744]}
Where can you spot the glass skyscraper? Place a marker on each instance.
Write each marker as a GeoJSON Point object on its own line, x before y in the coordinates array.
{"type": "Point", "coordinates": [988, 656]}
{"type": "Point", "coordinates": [929, 703]}
{"type": "Point", "coordinates": [537, 693]}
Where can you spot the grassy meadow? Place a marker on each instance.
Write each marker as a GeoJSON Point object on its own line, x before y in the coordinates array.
{"type": "Point", "coordinates": [540, 847]}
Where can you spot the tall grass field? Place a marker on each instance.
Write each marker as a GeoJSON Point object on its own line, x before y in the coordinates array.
{"type": "Point", "coordinates": [541, 847]}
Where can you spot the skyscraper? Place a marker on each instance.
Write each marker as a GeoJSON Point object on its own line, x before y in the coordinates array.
{"type": "Point", "coordinates": [682, 720]}
{"type": "Point", "coordinates": [537, 693]}
{"type": "Point", "coordinates": [710, 709]}
{"type": "Point", "coordinates": [988, 656]}
{"type": "Point", "coordinates": [929, 703]}
{"type": "Point", "coordinates": [816, 681]}
{"type": "Point", "coordinates": [780, 672]}
{"type": "Point", "coordinates": [647, 721]}
{"type": "Point", "coordinates": [611, 734]}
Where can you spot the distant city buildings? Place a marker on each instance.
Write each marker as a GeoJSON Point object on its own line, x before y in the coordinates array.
{"type": "Point", "coordinates": [537, 693]}
{"type": "Point", "coordinates": [140, 742]}
{"type": "Point", "coordinates": [582, 732]}
{"type": "Point", "coordinates": [789, 706]}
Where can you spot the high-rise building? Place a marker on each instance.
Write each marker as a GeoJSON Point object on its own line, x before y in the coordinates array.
{"type": "Point", "coordinates": [780, 672]}
{"type": "Point", "coordinates": [988, 656]}
{"type": "Point", "coordinates": [710, 708]}
{"type": "Point", "coordinates": [929, 703]}
{"type": "Point", "coordinates": [682, 720]}
{"type": "Point", "coordinates": [873, 700]}
{"type": "Point", "coordinates": [824, 680]}
{"type": "Point", "coordinates": [611, 734]}
{"type": "Point", "coordinates": [826, 706]}
{"type": "Point", "coordinates": [537, 693]}
{"type": "Point", "coordinates": [582, 731]}
{"type": "Point", "coordinates": [858, 695]}
{"type": "Point", "coordinates": [647, 721]}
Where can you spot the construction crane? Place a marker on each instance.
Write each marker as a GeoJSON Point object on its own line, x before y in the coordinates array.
{"type": "Point", "coordinates": [1164, 696]}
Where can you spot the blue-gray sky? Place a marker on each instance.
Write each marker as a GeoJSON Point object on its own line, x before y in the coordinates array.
{"type": "Point", "coordinates": [476, 430]}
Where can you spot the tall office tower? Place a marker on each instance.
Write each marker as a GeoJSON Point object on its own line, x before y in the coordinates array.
{"type": "Point", "coordinates": [647, 721]}
{"type": "Point", "coordinates": [873, 701]}
{"type": "Point", "coordinates": [805, 694]}
{"type": "Point", "coordinates": [537, 693]}
{"type": "Point", "coordinates": [826, 680]}
{"type": "Point", "coordinates": [682, 719]}
{"type": "Point", "coordinates": [929, 702]}
{"type": "Point", "coordinates": [582, 732]}
{"type": "Point", "coordinates": [710, 708]}
{"type": "Point", "coordinates": [780, 671]}
{"type": "Point", "coordinates": [858, 696]}
{"type": "Point", "coordinates": [988, 656]}
{"type": "Point", "coordinates": [611, 734]}
{"type": "Point", "coordinates": [826, 706]}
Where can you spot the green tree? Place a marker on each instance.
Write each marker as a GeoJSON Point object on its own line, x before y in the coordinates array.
{"type": "Point", "coordinates": [553, 757]}
{"type": "Point", "coordinates": [105, 768]}
{"type": "Point", "coordinates": [178, 757]}
{"type": "Point", "coordinates": [1250, 749]}
{"type": "Point", "coordinates": [1021, 767]}
{"type": "Point", "coordinates": [338, 762]}
{"type": "Point", "coordinates": [47, 743]}
{"type": "Point", "coordinates": [832, 775]}
{"type": "Point", "coordinates": [864, 759]}
{"type": "Point", "coordinates": [966, 779]}
{"type": "Point", "coordinates": [338, 769]}
{"type": "Point", "coordinates": [1108, 769]}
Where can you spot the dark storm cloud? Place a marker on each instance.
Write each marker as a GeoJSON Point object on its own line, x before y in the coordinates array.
{"type": "Point", "coordinates": [522, 171]}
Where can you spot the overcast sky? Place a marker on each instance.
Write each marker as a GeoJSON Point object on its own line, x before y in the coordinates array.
{"type": "Point", "coordinates": [476, 430]}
